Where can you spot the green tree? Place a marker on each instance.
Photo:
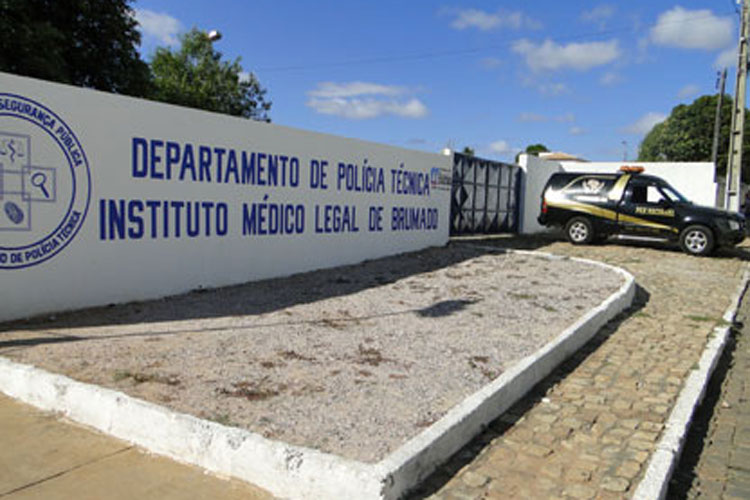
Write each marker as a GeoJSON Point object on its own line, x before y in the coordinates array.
{"type": "Point", "coordinates": [533, 149]}
{"type": "Point", "coordinates": [687, 135]}
{"type": "Point", "coordinates": [195, 76]}
{"type": "Point", "coordinates": [91, 43]}
{"type": "Point", "coordinates": [468, 151]}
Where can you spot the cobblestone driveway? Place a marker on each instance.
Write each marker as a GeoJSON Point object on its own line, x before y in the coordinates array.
{"type": "Point", "coordinates": [589, 429]}
{"type": "Point", "coordinates": [716, 460]}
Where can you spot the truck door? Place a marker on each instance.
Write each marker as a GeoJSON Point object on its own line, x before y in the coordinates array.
{"type": "Point", "coordinates": [645, 210]}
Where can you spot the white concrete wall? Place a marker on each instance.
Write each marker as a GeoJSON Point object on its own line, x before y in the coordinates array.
{"type": "Point", "coordinates": [536, 172]}
{"type": "Point", "coordinates": [85, 177]}
{"type": "Point", "coordinates": [693, 180]}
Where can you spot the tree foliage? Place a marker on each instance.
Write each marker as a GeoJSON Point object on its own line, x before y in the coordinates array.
{"type": "Point", "coordinates": [91, 43]}
{"type": "Point", "coordinates": [468, 151]}
{"type": "Point", "coordinates": [195, 76]}
{"type": "Point", "coordinates": [687, 135]}
{"type": "Point", "coordinates": [533, 149]}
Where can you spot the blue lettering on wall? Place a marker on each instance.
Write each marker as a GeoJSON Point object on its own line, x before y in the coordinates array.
{"type": "Point", "coordinates": [136, 219]}
{"type": "Point", "coordinates": [188, 163]}
{"type": "Point", "coordinates": [272, 218]}
{"type": "Point", "coordinates": [139, 157]}
{"type": "Point", "coordinates": [155, 159]}
{"type": "Point", "coordinates": [414, 219]}
{"type": "Point", "coordinates": [409, 182]}
{"type": "Point", "coordinates": [165, 160]}
{"type": "Point", "coordinates": [336, 219]}
{"type": "Point", "coordinates": [364, 178]}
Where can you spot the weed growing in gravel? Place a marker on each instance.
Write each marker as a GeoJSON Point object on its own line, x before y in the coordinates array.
{"type": "Point", "coordinates": [221, 418]}
{"type": "Point", "coordinates": [140, 378]}
{"type": "Point", "coordinates": [253, 391]}
{"type": "Point", "coordinates": [338, 324]}
{"type": "Point", "coordinates": [426, 422]}
{"type": "Point", "coordinates": [699, 319]}
{"type": "Point", "coordinates": [120, 375]}
{"type": "Point", "coordinates": [369, 356]}
{"type": "Point", "coordinates": [479, 363]}
{"type": "Point", "coordinates": [294, 355]}
{"type": "Point", "coordinates": [707, 319]}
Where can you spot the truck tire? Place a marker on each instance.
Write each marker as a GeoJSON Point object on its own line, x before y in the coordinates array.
{"type": "Point", "coordinates": [579, 231]}
{"type": "Point", "coordinates": [697, 240]}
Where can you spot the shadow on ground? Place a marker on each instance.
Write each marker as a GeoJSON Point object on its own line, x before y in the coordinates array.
{"type": "Point", "coordinates": [499, 426]}
{"type": "Point", "coordinates": [261, 297]}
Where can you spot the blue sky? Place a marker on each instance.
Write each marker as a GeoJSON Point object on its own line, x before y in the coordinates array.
{"type": "Point", "coordinates": [587, 78]}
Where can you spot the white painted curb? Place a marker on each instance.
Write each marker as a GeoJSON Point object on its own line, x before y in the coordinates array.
{"type": "Point", "coordinates": [655, 482]}
{"type": "Point", "coordinates": [294, 471]}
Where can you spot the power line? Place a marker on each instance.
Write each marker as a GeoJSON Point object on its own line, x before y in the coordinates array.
{"type": "Point", "coordinates": [456, 52]}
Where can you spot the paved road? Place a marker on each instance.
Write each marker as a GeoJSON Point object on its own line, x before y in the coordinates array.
{"type": "Point", "coordinates": [716, 459]}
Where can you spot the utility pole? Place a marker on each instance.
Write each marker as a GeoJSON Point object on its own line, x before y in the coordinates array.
{"type": "Point", "coordinates": [717, 123]}
{"type": "Point", "coordinates": [715, 147]}
{"type": "Point", "coordinates": [734, 165]}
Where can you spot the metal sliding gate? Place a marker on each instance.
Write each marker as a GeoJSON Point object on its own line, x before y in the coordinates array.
{"type": "Point", "coordinates": [484, 196]}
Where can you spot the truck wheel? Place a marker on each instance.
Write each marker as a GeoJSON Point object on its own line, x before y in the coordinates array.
{"type": "Point", "coordinates": [697, 240]}
{"type": "Point", "coordinates": [579, 231]}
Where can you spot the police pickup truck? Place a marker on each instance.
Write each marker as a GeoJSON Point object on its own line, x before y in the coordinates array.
{"type": "Point", "coordinates": [591, 207]}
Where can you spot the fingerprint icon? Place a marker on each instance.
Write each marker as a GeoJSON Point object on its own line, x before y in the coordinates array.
{"type": "Point", "coordinates": [14, 212]}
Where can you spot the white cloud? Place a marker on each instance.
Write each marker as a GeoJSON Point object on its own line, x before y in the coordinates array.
{"type": "Point", "coordinates": [599, 15]}
{"type": "Point", "coordinates": [501, 147]}
{"type": "Point", "coordinates": [487, 21]}
{"type": "Point", "coordinates": [726, 58]}
{"type": "Point", "coordinates": [553, 89]}
{"type": "Point", "coordinates": [353, 89]}
{"type": "Point", "coordinates": [579, 56]}
{"type": "Point", "coordinates": [688, 91]}
{"type": "Point", "coordinates": [645, 123]}
{"type": "Point", "coordinates": [575, 130]}
{"type": "Point", "coordinates": [158, 26]}
{"type": "Point", "coordinates": [527, 117]}
{"type": "Point", "coordinates": [692, 29]}
{"type": "Point", "coordinates": [532, 118]}
{"type": "Point", "coordinates": [363, 100]}
{"type": "Point", "coordinates": [610, 78]}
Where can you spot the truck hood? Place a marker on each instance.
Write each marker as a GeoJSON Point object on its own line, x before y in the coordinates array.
{"type": "Point", "coordinates": [713, 212]}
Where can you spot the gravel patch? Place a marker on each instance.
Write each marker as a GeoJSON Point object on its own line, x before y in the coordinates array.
{"type": "Point", "coordinates": [353, 361]}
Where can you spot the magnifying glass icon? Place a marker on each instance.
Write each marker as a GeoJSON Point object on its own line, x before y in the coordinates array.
{"type": "Point", "coordinates": [39, 180]}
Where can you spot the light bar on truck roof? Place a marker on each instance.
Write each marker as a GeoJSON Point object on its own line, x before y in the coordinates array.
{"type": "Point", "coordinates": [632, 169]}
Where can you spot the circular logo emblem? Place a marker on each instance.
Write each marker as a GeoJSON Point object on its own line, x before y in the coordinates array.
{"type": "Point", "coordinates": [45, 183]}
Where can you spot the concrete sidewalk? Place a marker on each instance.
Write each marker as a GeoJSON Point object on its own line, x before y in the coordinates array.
{"type": "Point", "coordinates": [44, 457]}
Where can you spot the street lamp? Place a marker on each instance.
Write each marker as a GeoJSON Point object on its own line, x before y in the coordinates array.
{"type": "Point", "coordinates": [214, 35]}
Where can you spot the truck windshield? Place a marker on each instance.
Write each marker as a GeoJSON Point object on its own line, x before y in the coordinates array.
{"type": "Point", "coordinates": [672, 193]}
